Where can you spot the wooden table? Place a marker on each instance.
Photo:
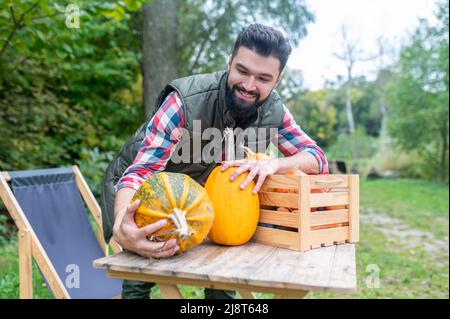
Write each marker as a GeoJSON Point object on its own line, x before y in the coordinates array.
{"type": "Point", "coordinates": [250, 267]}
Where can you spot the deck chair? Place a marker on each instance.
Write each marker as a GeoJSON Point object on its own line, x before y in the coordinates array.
{"type": "Point", "coordinates": [54, 229]}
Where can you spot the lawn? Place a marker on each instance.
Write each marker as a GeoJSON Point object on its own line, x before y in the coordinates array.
{"type": "Point", "coordinates": [403, 250]}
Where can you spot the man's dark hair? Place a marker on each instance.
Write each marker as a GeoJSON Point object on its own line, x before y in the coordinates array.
{"type": "Point", "coordinates": [266, 41]}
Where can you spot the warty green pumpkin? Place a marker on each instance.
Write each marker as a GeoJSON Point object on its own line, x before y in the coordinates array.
{"type": "Point", "coordinates": [179, 199]}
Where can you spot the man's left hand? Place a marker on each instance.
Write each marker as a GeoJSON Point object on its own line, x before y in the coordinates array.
{"type": "Point", "coordinates": [262, 168]}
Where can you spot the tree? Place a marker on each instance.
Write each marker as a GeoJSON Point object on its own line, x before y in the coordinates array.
{"type": "Point", "coordinates": [350, 54]}
{"type": "Point", "coordinates": [159, 47]}
{"type": "Point", "coordinates": [63, 90]}
{"type": "Point", "coordinates": [386, 58]}
{"type": "Point", "coordinates": [384, 74]}
{"type": "Point", "coordinates": [419, 101]}
{"type": "Point", "coordinates": [291, 85]}
{"type": "Point", "coordinates": [205, 33]}
{"type": "Point", "coordinates": [316, 115]}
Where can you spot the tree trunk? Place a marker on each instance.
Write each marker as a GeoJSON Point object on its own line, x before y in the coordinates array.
{"type": "Point", "coordinates": [384, 135]}
{"type": "Point", "coordinates": [444, 151]}
{"type": "Point", "coordinates": [351, 121]}
{"type": "Point", "coordinates": [159, 64]}
{"type": "Point", "coordinates": [348, 107]}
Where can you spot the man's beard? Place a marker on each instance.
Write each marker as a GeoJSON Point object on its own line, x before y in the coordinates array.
{"type": "Point", "coordinates": [238, 107]}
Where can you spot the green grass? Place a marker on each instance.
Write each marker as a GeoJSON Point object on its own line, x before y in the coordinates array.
{"type": "Point", "coordinates": [9, 275]}
{"type": "Point", "coordinates": [404, 272]}
{"type": "Point", "coordinates": [419, 204]}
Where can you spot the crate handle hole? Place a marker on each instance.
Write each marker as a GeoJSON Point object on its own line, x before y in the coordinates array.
{"type": "Point", "coordinates": [330, 182]}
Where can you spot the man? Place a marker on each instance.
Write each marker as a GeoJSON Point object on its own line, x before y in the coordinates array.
{"type": "Point", "coordinates": [241, 97]}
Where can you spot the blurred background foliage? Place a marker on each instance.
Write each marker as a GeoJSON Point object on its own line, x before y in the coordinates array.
{"type": "Point", "coordinates": [74, 95]}
{"type": "Point", "coordinates": [63, 92]}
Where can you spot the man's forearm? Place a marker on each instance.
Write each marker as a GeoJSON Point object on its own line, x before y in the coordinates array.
{"type": "Point", "coordinates": [303, 161]}
{"type": "Point", "coordinates": [123, 198]}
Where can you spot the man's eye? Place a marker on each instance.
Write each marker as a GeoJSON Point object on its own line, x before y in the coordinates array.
{"type": "Point", "coordinates": [263, 80]}
{"type": "Point", "coordinates": [242, 72]}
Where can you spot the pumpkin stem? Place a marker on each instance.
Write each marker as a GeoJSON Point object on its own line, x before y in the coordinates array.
{"type": "Point", "coordinates": [178, 218]}
{"type": "Point", "coordinates": [248, 151]}
{"type": "Point", "coordinates": [250, 154]}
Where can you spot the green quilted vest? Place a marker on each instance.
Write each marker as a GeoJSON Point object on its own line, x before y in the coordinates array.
{"type": "Point", "coordinates": [203, 98]}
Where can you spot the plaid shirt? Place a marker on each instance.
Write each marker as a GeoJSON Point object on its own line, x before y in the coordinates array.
{"type": "Point", "coordinates": [164, 132]}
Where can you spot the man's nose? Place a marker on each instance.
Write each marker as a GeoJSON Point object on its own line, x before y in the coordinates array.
{"type": "Point", "coordinates": [249, 84]}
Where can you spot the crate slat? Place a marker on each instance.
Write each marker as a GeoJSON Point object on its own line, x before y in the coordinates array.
{"type": "Point", "coordinates": [278, 218]}
{"type": "Point", "coordinates": [329, 217]}
{"type": "Point", "coordinates": [354, 208]}
{"type": "Point", "coordinates": [277, 237]}
{"type": "Point", "coordinates": [329, 235]}
{"type": "Point", "coordinates": [328, 199]}
{"type": "Point", "coordinates": [278, 199]}
{"type": "Point", "coordinates": [305, 212]}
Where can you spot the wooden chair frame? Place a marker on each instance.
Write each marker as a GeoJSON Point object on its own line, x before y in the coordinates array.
{"type": "Point", "coordinates": [30, 246]}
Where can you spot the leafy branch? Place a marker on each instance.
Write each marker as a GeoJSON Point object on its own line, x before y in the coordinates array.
{"type": "Point", "coordinates": [17, 25]}
{"type": "Point", "coordinates": [206, 39]}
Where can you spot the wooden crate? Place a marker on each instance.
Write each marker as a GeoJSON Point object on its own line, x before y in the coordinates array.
{"type": "Point", "coordinates": [310, 211]}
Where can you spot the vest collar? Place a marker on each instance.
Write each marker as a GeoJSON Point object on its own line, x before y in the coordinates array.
{"type": "Point", "coordinates": [225, 115]}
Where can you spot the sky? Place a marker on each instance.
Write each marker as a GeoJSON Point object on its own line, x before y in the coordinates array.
{"type": "Point", "coordinates": [365, 20]}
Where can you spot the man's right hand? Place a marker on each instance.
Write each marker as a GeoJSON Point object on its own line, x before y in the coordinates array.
{"type": "Point", "coordinates": [132, 238]}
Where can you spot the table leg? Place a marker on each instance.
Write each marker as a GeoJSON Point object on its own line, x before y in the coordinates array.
{"type": "Point", "coordinates": [298, 295]}
{"type": "Point", "coordinates": [246, 294]}
{"type": "Point", "coordinates": [170, 291]}
{"type": "Point", "coordinates": [25, 266]}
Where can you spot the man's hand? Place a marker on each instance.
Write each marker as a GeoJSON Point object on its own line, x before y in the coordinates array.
{"type": "Point", "coordinates": [262, 168]}
{"type": "Point", "coordinates": [134, 239]}
{"type": "Point", "coordinates": [303, 161]}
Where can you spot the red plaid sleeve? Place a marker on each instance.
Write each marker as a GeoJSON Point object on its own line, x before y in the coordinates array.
{"type": "Point", "coordinates": [292, 139]}
{"type": "Point", "coordinates": [162, 136]}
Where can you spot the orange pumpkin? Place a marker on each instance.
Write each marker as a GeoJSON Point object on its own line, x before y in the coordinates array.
{"type": "Point", "coordinates": [180, 200]}
{"type": "Point", "coordinates": [236, 210]}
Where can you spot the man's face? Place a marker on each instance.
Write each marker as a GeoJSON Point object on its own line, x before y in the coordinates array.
{"type": "Point", "coordinates": [251, 78]}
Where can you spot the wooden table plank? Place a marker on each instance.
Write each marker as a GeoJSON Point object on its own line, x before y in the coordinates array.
{"type": "Point", "coordinates": [167, 280]}
{"type": "Point", "coordinates": [238, 265]}
{"type": "Point", "coordinates": [293, 270]}
{"type": "Point", "coordinates": [343, 271]}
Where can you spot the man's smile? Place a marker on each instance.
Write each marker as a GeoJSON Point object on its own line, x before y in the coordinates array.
{"type": "Point", "coordinates": [245, 95]}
